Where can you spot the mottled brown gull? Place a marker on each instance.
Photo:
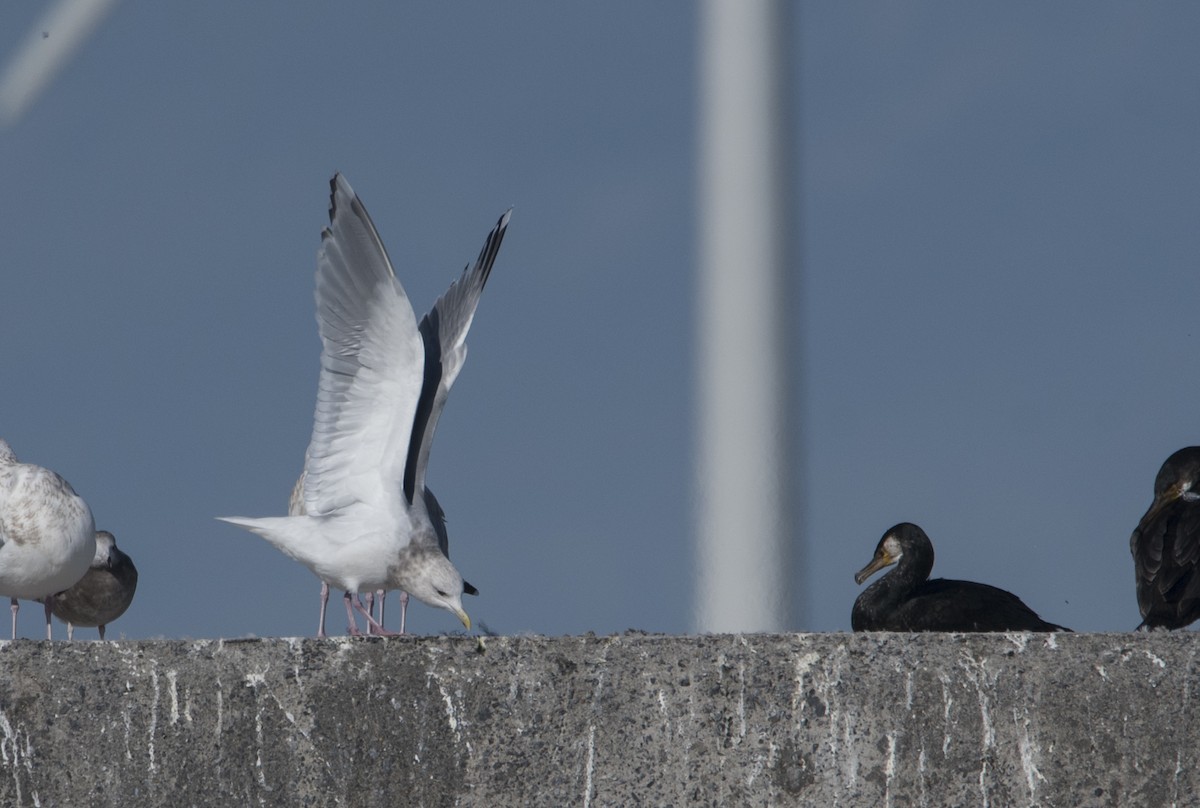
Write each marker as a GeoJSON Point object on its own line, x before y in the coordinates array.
{"type": "Point", "coordinates": [103, 593]}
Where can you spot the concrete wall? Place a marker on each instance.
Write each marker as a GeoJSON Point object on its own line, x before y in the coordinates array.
{"type": "Point", "coordinates": [824, 719]}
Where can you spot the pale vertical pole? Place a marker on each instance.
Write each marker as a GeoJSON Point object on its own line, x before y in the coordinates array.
{"type": "Point", "coordinates": [746, 531]}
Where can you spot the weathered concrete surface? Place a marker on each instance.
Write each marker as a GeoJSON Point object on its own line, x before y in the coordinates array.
{"type": "Point", "coordinates": [823, 719]}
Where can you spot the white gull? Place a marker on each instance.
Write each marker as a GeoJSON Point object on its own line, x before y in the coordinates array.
{"type": "Point", "coordinates": [47, 535]}
{"type": "Point", "coordinates": [367, 522]}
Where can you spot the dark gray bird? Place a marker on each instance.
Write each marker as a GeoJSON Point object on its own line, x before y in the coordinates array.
{"type": "Point", "coordinates": [1166, 545]}
{"type": "Point", "coordinates": [103, 593]}
{"type": "Point", "coordinates": [906, 600]}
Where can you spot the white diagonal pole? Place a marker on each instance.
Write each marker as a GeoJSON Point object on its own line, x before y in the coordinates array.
{"type": "Point", "coordinates": [746, 532]}
{"type": "Point", "coordinates": [46, 49]}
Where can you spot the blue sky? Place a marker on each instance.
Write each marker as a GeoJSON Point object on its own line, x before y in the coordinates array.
{"type": "Point", "coordinates": [998, 241]}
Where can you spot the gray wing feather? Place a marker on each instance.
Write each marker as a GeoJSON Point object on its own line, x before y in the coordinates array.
{"type": "Point", "coordinates": [371, 364]}
{"type": "Point", "coordinates": [444, 331]}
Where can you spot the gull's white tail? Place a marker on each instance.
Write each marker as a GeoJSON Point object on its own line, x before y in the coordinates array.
{"type": "Point", "coordinates": [298, 537]}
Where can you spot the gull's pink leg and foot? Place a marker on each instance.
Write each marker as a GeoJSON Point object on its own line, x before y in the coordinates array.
{"type": "Point", "coordinates": [353, 627]}
{"type": "Point", "coordinates": [49, 613]}
{"type": "Point", "coordinates": [379, 597]}
{"type": "Point", "coordinates": [372, 626]}
{"type": "Point", "coordinates": [324, 603]}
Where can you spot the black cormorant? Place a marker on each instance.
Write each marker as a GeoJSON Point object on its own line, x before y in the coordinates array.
{"type": "Point", "coordinates": [906, 600]}
{"type": "Point", "coordinates": [1166, 545]}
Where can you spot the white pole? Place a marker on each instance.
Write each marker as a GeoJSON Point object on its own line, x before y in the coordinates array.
{"type": "Point", "coordinates": [46, 49]}
{"type": "Point", "coordinates": [746, 532]}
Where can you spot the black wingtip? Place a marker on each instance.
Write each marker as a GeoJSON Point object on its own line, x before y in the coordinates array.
{"type": "Point", "coordinates": [491, 248]}
{"type": "Point", "coordinates": [333, 188]}
{"type": "Point", "coordinates": [470, 590]}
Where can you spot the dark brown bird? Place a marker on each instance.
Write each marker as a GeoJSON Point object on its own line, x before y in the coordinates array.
{"type": "Point", "coordinates": [1166, 545]}
{"type": "Point", "coordinates": [906, 600]}
{"type": "Point", "coordinates": [103, 593]}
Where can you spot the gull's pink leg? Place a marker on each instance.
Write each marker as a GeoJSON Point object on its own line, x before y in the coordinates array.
{"type": "Point", "coordinates": [371, 611]}
{"type": "Point", "coordinates": [320, 624]}
{"type": "Point", "coordinates": [15, 608]}
{"type": "Point", "coordinates": [353, 627]}
{"type": "Point", "coordinates": [403, 609]}
{"type": "Point", "coordinates": [49, 614]}
{"type": "Point", "coordinates": [372, 626]}
{"type": "Point", "coordinates": [373, 598]}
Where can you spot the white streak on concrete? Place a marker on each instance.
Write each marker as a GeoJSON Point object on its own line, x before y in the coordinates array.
{"type": "Point", "coordinates": [153, 719]}
{"type": "Point", "coordinates": [258, 753]}
{"type": "Point", "coordinates": [173, 691]}
{"type": "Point", "coordinates": [10, 750]}
{"type": "Point", "coordinates": [220, 709]}
{"type": "Point", "coordinates": [976, 672]}
{"type": "Point", "coordinates": [128, 733]}
{"type": "Point", "coordinates": [801, 668]}
{"type": "Point", "coordinates": [742, 699]}
{"type": "Point", "coordinates": [589, 767]}
{"type": "Point", "coordinates": [1155, 659]}
{"type": "Point", "coordinates": [947, 703]}
{"type": "Point", "coordinates": [8, 743]}
{"type": "Point", "coordinates": [852, 751]}
{"type": "Point", "coordinates": [922, 765]}
{"type": "Point", "coordinates": [889, 769]}
{"type": "Point", "coordinates": [1025, 746]}
{"type": "Point", "coordinates": [1178, 771]}
{"type": "Point", "coordinates": [451, 712]}
{"type": "Point", "coordinates": [805, 662]}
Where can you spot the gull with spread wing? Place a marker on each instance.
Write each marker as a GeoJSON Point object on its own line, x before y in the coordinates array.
{"type": "Point", "coordinates": [367, 520]}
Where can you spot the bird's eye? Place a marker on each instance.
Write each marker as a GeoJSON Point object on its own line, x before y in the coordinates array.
{"type": "Point", "coordinates": [441, 594]}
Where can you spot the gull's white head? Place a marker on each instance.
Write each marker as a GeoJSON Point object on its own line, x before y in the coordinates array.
{"type": "Point", "coordinates": [6, 453]}
{"type": "Point", "coordinates": [105, 542]}
{"type": "Point", "coordinates": [437, 583]}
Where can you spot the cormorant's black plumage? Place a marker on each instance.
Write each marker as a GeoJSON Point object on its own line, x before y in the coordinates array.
{"type": "Point", "coordinates": [1166, 545]}
{"type": "Point", "coordinates": [906, 600]}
